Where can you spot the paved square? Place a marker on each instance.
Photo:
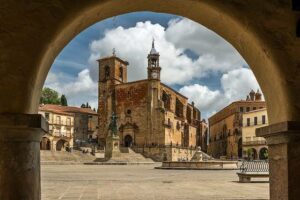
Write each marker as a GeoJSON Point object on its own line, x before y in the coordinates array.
{"type": "Point", "coordinates": [144, 182]}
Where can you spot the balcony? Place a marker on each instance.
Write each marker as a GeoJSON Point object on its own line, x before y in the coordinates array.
{"type": "Point", "coordinates": [62, 135]}
{"type": "Point", "coordinates": [61, 123]}
{"type": "Point", "coordinates": [255, 142]}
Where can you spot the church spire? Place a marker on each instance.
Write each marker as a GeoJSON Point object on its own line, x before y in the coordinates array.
{"type": "Point", "coordinates": [153, 63]}
{"type": "Point", "coordinates": [153, 50]}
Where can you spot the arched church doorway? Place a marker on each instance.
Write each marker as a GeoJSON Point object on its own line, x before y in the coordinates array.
{"type": "Point", "coordinates": [263, 153]}
{"type": "Point", "coordinates": [128, 141]}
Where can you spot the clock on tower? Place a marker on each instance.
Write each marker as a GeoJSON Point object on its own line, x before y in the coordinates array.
{"type": "Point", "coordinates": [153, 64]}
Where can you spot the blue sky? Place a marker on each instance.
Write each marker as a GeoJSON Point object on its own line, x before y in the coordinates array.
{"type": "Point", "coordinates": [194, 60]}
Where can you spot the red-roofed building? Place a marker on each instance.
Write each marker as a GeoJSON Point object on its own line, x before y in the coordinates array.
{"type": "Point", "coordinates": [83, 127]}
{"type": "Point", "coordinates": [225, 127]}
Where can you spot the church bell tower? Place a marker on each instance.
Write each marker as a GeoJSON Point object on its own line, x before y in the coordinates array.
{"type": "Point", "coordinates": [153, 64]}
{"type": "Point", "coordinates": [112, 71]}
{"type": "Point", "coordinates": [154, 121]}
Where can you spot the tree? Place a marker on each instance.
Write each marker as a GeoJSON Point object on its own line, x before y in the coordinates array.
{"type": "Point", "coordinates": [63, 100]}
{"type": "Point", "coordinates": [49, 96]}
{"type": "Point", "coordinates": [82, 105]}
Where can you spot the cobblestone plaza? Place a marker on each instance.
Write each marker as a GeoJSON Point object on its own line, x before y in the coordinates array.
{"type": "Point", "coordinates": [145, 182]}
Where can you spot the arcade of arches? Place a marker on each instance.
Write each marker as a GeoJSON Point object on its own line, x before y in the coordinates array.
{"type": "Point", "coordinates": [32, 35]}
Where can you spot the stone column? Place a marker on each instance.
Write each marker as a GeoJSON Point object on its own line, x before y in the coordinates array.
{"type": "Point", "coordinates": [20, 136]}
{"type": "Point", "coordinates": [283, 140]}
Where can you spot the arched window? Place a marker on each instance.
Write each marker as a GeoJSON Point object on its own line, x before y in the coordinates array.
{"type": "Point", "coordinates": [121, 73]}
{"type": "Point", "coordinates": [107, 72]}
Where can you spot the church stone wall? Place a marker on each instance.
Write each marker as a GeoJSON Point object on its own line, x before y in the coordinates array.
{"type": "Point", "coordinates": [131, 108]}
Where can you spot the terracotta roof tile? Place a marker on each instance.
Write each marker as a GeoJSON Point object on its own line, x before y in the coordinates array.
{"type": "Point", "coordinates": [66, 109]}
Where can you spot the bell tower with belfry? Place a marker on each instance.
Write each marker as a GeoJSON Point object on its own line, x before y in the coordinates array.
{"type": "Point", "coordinates": [153, 95]}
{"type": "Point", "coordinates": [112, 71]}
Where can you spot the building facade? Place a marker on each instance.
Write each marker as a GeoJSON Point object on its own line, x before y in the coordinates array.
{"type": "Point", "coordinates": [225, 127]}
{"type": "Point", "coordinates": [254, 147]}
{"type": "Point", "coordinates": [150, 114]}
{"type": "Point", "coordinates": [61, 130]}
{"type": "Point", "coordinates": [84, 124]}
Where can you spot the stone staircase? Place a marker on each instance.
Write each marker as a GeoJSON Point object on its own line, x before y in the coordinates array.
{"type": "Point", "coordinates": [63, 157]}
{"type": "Point", "coordinates": [127, 156]}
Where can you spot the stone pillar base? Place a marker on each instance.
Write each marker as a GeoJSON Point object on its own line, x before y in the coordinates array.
{"type": "Point", "coordinates": [283, 140]}
{"type": "Point", "coordinates": [20, 137]}
{"type": "Point", "coordinates": [112, 148]}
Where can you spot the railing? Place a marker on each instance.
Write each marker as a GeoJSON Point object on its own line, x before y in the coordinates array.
{"type": "Point", "coordinates": [255, 142]}
{"type": "Point", "coordinates": [255, 166]}
{"type": "Point", "coordinates": [259, 123]}
{"type": "Point", "coordinates": [66, 135]}
{"type": "Point", "coordinates": [61, 122]}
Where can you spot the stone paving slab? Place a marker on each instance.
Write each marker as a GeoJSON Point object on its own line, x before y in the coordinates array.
{"type": "Point", "coordinates": [145, 183]}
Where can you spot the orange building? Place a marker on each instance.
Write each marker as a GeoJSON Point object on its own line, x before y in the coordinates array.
{"type": "Point", "coordinates": [225, 127]}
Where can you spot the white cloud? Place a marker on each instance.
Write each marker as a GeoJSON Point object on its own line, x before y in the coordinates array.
{"type": "Point", "coordinates": [206, 100]}
{"type": "Point", "coordinates": [80, 90]}
{"type": "Point", "coordinates": [187, 34]}
{"type": "Point", "coordinates": [133, 44]}
{"type": "Point", "coordinates": [236, 85]}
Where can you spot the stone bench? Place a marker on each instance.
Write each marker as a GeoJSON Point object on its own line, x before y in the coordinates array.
{"type": "Point", "coordinates": [246, 177]}
{"type": "Point", "coordinates": [253, 169]}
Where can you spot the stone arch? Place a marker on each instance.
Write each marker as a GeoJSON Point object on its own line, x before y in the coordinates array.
{"type": "Point", "coordinates": [61, 145]}
{"type": "Point", "coordinates": [267, 46]}
{"type": "Point", "coordinates": [45, 144]}
{"type": "Point", "coordinates": [252, 154]}
{"type": "Point", "coordinates": [253, 40]}
{"type": "Point", "coordinates": [263, 153]}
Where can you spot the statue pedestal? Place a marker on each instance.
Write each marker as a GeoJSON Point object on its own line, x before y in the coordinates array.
{"type": "Point", "coordinates": [112, 148]}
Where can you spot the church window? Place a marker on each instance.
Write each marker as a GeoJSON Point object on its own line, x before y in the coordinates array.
{"type": "Point", "coordinates": [167, 100]}
{"type": "Point", "coordinates": [129, 94]}
{"type": "Point", "coordinates": [121, 73]}
{"type": "Point", "coordinates": [179, 108]}
{"type": "Point", "coordinates": [107, 72]}
{"type": "Point", "coordinates": [189, 114]}
{"type": "Point", "coordinates": [248, 109]}
{"type": "Point", "coordinates": [128, 111]}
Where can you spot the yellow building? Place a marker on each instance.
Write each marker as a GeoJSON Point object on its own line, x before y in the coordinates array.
{"type": "Point", "coordinates": [225, 127]}
{"type": "Point", "coordinates": [254, 147]}
{"type": "Point", "coordinates": [61, 130]}
{"type": "Point", "coordinates": [84, 124]}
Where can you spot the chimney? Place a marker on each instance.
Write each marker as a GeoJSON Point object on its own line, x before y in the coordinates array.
{"type": "Point", "coordinates": [258, 96]}
{"type": "Point", "coordinates": [252, 95]}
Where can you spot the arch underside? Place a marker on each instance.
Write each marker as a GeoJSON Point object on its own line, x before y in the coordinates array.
{"type": "Point", "coordinates": [245, 24]}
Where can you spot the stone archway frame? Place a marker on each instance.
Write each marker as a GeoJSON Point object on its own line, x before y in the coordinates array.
{"type": "Point", "coordinates": [251, 33]}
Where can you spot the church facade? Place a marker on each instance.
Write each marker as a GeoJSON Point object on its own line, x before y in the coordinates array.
{"type": "Point", "coordinates": [150, 114]}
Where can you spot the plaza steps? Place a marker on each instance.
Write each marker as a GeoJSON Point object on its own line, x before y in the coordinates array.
{"type": "Point", "coordinates": [126, 157]}
{"type": "Point", "coordinates": [63, 157]}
